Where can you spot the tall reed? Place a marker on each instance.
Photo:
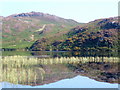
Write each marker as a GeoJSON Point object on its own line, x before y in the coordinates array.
{"type": "Point", "coordinates": [22, 69]}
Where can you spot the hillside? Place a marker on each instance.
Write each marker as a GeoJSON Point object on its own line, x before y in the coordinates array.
{"type": "Point", "coordinates": [101, 34]}
{"type": "Point", "coordinates": [22, 30]}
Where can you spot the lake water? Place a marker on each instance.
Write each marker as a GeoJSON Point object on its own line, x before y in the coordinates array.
{"type": "Point", "coordinates": [76, 82]}
{"type": "Point", "coordinates": [60, 70]}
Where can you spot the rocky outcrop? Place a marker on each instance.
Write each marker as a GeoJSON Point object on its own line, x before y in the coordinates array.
{"type": "Point", "coordinates": [31, 14]}
{"type": "Point", "coordinates": [45, 16]}
{"type": "Point", "coordinates": [111, 25]}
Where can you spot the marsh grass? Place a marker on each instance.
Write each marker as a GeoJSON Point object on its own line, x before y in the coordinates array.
{"type": "Point", "coordinates": [24, 61]}
{"type": "Point", "coordinates": [23, 69]}
{"type": "Point", "coordinates": [21, 76]}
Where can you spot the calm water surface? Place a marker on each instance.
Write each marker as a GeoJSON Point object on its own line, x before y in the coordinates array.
{"type": "Point", "coordinates": [99, 73]}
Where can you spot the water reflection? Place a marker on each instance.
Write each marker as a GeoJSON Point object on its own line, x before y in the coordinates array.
{"type": "Point", "coordinates": [61, 53]}
{"type": "Point", "coordinates": [100, 71]}
{"type": "Point", "coordinates": [37, 71]}
{"type": "Point", "coordinates": [77, 53]}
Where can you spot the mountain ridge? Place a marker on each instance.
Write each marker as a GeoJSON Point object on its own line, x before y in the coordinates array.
{"type": "Point", "coordinates": [40, 14]}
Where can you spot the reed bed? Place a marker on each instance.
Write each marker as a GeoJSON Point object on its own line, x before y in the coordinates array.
{"type": "Point", "coordinates": [19, 61]}
{"type": "Point", "coordinates": [22, 75]}
{"type": "Point", "coordinates": [23, 69]}
{"type": "Point", "coordinates": [24, 61]}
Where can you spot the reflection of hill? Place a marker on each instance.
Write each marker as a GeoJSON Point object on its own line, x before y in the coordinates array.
{"type": "Point", "coordinates": [101, 71]}
{"type": "Point", "coordinates": [55, 73]}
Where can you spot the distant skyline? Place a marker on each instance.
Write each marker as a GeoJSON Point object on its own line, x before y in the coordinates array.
{"type": "Point", "coordinates": [79, 10]}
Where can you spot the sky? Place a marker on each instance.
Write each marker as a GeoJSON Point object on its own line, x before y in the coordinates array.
{"type": "Point", "coordinates": [79, 10]}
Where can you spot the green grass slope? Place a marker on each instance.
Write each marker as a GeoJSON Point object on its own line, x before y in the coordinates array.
{"type": "Point", "coordinates": [21, 30]}
{"type": "Point", "coordinates": [101, 34]}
